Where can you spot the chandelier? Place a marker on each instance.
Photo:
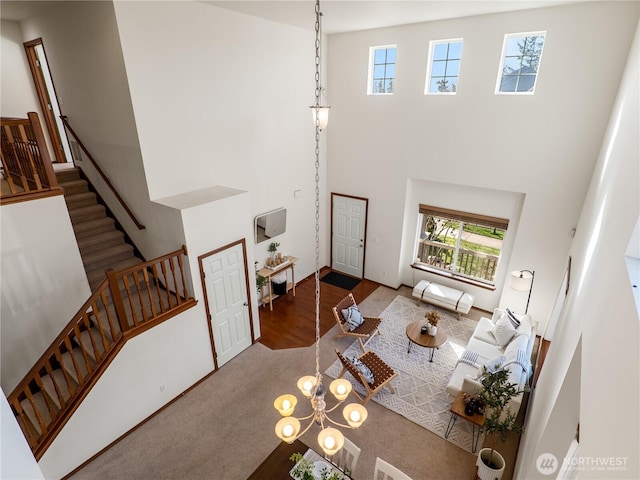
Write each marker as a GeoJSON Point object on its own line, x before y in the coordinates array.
{"type": "Point", "coordinates": [288, 428]}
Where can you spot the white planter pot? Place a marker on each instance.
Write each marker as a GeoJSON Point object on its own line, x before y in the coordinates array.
{"type": "Point", "coordinates": [488, 473]}
{"type": "Point", "coordinates": [432, 330]}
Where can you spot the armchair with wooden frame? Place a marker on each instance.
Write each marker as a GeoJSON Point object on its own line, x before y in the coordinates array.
{"type": "Point", "coordinates": [365, 332]}
{"type": "Point", "coordinates": [382, 374]}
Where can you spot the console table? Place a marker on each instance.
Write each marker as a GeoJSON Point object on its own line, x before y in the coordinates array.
{"type": "Point", "coordinates": [270, 272]}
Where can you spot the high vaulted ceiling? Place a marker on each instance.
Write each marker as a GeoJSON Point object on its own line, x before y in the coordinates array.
{"type": "Point", "coordinates": [352, 15]}
{"type": "Point", "coordinates": [338, 15]}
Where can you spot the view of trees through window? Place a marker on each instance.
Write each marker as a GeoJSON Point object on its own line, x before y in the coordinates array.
{"type": "Point", "coordinates": [521, 62]}
{"type": "Point", "coordinates": [446, 56]}
{"type": "Point", "coordinates": [468, 249]}
{"type": "Point", "coordinates": [384, 70]}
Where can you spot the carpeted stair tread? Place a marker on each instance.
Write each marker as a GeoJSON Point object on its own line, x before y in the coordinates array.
{"type": "Point", "coordinates": [93, 227]}
{"type": "Point", "coordinates": [96, 276]}
{"type": "Point", "coordinates": [74, 186]}
{"type": "Point", "coordinates": [85, 214]}
{"type": "Point", "coordinates": [100, 241]}
{"type": "Point", "coordinates": [67, 175]}
{"type": "Point", "coordinates": [89, 338]}
{"type": "Point", "coordinates": [43, 411]}
{"type": "Point", "coordinates": [68, 364]}
{"type": "Point", "coordinates": [107, 256]}
{"type": "Point", "coordinates": [78, 200]}
{"type": "Point", "coordinates": [61, 382]}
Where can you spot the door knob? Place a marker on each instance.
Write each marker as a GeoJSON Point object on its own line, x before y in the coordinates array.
{"type": "Point", "coordinates": [246, 304]}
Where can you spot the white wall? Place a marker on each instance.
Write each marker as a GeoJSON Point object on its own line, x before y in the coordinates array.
{"type": "Point", "coordinates": [543, 146]}
{"type": "Point", "coordinates": [18, 462]}
{"type": "Point", "coordinates": [599, 309]}
{"type": "Point", "coordinates": [16, 87]}
{"type": "Point", "coordinates": [229, 208]}
{"type": "Point", "coordinates": [223, 99]}
{"type": "Point", "coordinates": [38, 250]}
{"type": "Point", "coordinates": [175, 354]}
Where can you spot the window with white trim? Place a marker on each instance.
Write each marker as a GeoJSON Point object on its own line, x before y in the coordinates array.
{"type": "Point", "coordinates": [464, 245]}
{"type": "Point", "coordinates": [382, 70]}
{"type": "Point", "coordinates": [521, 54]}
{"type": "Point", "coordinates": [443, 67]}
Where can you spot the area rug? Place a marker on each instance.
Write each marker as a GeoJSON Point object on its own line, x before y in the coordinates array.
{"type": "Point", "coordinates": [420, 385]}
{"type": "Point", "coordinates": [340, 280]}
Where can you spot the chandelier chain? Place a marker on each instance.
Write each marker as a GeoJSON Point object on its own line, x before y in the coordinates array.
{"type": "Point", "coordinates": [317, 191]}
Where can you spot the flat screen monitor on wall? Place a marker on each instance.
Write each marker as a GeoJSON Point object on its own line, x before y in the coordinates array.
{"type": "Point", "coordinates": [270, 224]}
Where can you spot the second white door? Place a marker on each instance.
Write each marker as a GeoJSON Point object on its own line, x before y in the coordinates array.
{"type": "Point", "coordinates": [348, 227]}
{"type": "Point", "coordinates": [228, 303]}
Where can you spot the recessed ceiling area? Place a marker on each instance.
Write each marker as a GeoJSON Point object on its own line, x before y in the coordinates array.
{"type": "Point", "coordinates": [352, 15]}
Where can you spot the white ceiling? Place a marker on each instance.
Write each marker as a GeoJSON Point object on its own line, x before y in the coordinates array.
{"type": "Point", "coordinates": [338, 15]}
{"type": "Point", "coordinates": [352, 15]}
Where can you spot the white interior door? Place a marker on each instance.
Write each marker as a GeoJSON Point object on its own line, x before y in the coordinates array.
{"type": "Point", "coordinates": [349, 219]}
{"type": "Point", "coordinates": [227, 296]}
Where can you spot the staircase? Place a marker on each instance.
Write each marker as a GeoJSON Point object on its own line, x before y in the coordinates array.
{"type": "Point", "coordinates": [124, 304]}
{"type": "Point", "coordinates": [102, 245]}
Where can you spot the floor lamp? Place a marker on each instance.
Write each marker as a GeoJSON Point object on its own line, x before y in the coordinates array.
{"type": "Point", "coordinates": [522, 280]}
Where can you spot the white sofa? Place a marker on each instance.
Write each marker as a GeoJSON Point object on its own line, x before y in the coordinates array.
{"type": "Point", "coordinates": [484, 348]}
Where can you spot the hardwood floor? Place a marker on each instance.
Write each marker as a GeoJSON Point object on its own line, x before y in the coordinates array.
{"type": "Point", "coordinates": [291, 324]}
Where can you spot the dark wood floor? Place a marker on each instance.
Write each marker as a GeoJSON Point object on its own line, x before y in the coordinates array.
{"type": "Point", "coordinates": [292, 322]}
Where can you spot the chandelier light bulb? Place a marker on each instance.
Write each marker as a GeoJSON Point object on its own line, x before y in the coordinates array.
{"type": "Point", "coordinates": [340, 388]}
{"type": "Point", "coordinates": [330, 440]}
{"type": "Point", "coordinates": [285, 404]}
{"type": "Point", "coordinates": [306, 384]}
{"type": "Point", "coordinates": [287, 429]}
{"type": "Point", "coordinates": [355, 414]}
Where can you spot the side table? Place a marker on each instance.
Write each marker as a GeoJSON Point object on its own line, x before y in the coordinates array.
{"type": "Point", "coordinates": [477, 421]}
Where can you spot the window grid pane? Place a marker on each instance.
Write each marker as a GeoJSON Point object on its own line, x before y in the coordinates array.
{"type": "Point", "coordinates": [520, 64]}
{"type": "Point", "coordinates": [445, 67]}
{"type": "Point", "coordinates": [383, 70]}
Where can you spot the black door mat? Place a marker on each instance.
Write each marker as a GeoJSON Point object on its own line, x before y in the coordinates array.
{"type": "Point", "coordinates": [340, 280]}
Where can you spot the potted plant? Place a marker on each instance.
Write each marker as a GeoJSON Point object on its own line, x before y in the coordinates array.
{"type": "Point", "coordinates": [273, 248]}
{"type": "Point", "coordinates": [433, 317]}
{"type": "Point", "coordinates": [495, 393]}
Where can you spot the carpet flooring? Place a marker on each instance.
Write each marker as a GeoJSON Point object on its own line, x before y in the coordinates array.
{"type": "Point", "coordinates": [340, 280]}
{"type": "Point", "coordinates": [420, 385]}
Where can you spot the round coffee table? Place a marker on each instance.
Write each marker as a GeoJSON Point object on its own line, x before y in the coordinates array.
{"type": "Point", "coordinates": [423, 339]}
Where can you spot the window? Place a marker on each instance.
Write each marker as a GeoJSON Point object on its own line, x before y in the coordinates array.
{"type": "Point", "coordinates": [520, 62]}
{"type": "Point", "coordinates": [462, 244]}
{"type": "Point", "coordinates": [382, 70]}
{"type": "Point", "coordinates": [443, 68]}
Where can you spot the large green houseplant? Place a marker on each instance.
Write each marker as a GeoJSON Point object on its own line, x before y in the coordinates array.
{"type": "Point", "coordinates": [496, 393]}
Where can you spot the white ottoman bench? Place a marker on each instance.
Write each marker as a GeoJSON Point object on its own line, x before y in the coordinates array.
{"type": "Point", "coordinates": [446, 297]}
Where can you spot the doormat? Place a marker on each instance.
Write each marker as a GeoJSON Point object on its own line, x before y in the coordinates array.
{"type": "Point", "coordinates": [340, 280]}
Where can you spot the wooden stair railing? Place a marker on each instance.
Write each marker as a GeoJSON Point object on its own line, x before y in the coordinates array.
{"type": "Point", "coordinates": [137, 223]}
{"type": "Point", "coordinates": [26, 163]}
{"type": "Point", "coordinates": [126, 303]}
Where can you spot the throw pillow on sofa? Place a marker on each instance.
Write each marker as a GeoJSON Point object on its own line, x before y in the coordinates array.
{"type": "Point", "coordinates": [518, 343]}
{"type": "Point", "coordinates": [352, 317]}
{"type": "Point", "coordinates": [503, 330]}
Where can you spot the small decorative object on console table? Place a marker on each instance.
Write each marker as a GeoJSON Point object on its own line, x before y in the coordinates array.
{"type": "Point", "coordinates": [273, 248]}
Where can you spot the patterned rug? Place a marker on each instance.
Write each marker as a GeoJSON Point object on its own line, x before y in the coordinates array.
{"type": "Point", "coordinates": [420, 385]}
